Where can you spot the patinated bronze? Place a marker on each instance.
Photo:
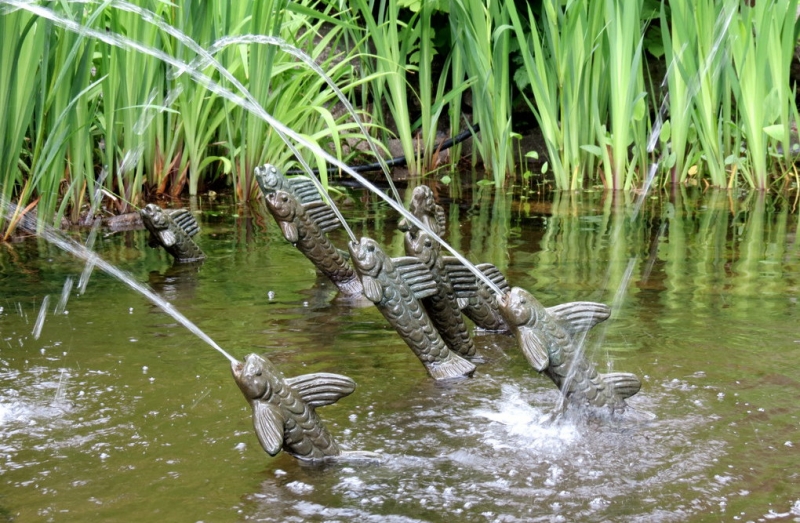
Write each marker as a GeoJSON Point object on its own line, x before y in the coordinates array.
{"type": "Point", "coordinates": [300, 224]}
{"type": "Point", "coordinates": [270, 179]}
{"type": "Point", "coordinates": [482, 307]}
{"type": "Point", "coordinates": [442, 307]}
{"type": "Point", "coordinates": [172, 230]}
{"type": "Point", "coordinates": [395, 286]}
{"type": "Point", "coordinates": [424, 207]}
{"type": "Point", "coordinates": [284, 409]}
{"type": "Point", "coordinates": [550, 338]}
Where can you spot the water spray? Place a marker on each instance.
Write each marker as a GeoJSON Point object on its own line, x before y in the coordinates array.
{"type": "Point", "coordinates": [94, 260]}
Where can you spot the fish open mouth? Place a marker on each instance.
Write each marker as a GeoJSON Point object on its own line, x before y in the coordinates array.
{"type": "Point", "coordinates": [236, 368]}
{"type": "Point", "coordinates": [504, 300]}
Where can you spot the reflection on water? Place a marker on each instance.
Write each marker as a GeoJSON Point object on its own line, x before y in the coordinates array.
{"type": "Point", "coordinates": [116, 412]}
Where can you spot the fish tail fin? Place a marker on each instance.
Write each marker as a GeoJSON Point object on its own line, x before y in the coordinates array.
{"type": "Point", "coordinates": [624, 384]}
{"type": "Point", "coordinates": [454, 366]}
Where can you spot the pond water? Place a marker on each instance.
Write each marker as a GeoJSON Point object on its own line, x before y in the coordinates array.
{"type": "Point", "coordinates": [115, 412]}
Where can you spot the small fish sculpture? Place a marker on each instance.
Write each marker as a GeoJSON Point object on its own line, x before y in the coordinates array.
{"type": "Point", "coordinates": [304, 227]}
{"type": "Point", "coordinates": [395, 286]}
{"type": "Point", "coordinates": [424, 207]}
{"type": "Point", "coordinates": [284, 409]}
{"type": "Point", "coordinates": [172, 230]}
{"type": "Point", "coordinates": [271, 179]}
{"type": "Point", "coordinates": [442, 307]}
{"type": "Point", "coordinates": [550, 339]}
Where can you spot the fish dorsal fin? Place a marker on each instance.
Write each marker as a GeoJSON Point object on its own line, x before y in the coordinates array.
{"type": "Point", "coordinates": [580, 316]}
{"type": "Point", "coordinates": [465, 284]}
{"type": "Point", "coordinates": [304, 189]}
{"type": "Point", "coordinates": [184, 219]}
{"type": "Point", "coordinates": [416, 275]}
{"type": "Point", "coordinates": [323, 216]}
{"type": "Point", "coordinates": [321, 388]}
{"type": "Point", "coordinates": [624, 384]}
{"type": "Point", "coordinates": [534, 348]}
{"type": "Point", "coordinates": [441, 219]}
{"type": "Point", "coordinates": [268, 421]}
{"type": "Point", "coordinates": [494, 274]}
{"type": "Point", "coordinates": [167, 237]}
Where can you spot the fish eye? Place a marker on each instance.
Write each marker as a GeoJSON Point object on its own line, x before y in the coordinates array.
{"type": "Point", "coordinates": [258, 373]}
{"type": "Point", "coordinates": [370, 248]}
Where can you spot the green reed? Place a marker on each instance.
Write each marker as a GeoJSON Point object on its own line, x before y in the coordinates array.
{"type": "Point", "coordinates": [559, 64]}
{"type": "Point", "coordinates": [482, 31]}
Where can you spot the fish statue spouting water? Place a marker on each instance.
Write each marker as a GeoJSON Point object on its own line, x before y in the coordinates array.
{"type": "Point", "coordinates": [284, 409]}
{"type": "Point", "coordinates": [395, 286]}
{"type": "Point", "coordinates": [172, 230]}
{"type": "Point", "coordinates": [302, 230]}
{"type": "Point", "coordinates": [424, 207]}
{"type": "Point", "coordinates": [551, 340]}
{"type": "Point", "coordinates": [481, 307]}
{"type": "Point", "coordinates": [442, 307]}
{"type": "Point", "coordinates": [271, 179]}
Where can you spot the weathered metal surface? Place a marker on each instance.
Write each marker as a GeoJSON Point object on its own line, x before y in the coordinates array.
{"type": "Point", "coordinates": [301, 229]}
{"type": "Point", "coordinates": [172, 230]}
{"type": "Point", "coordinates": [395, 286]}
{"type": "Point", "coordinates": [284, 409]}
{"type": "Point", "coordinates": [424, 207]}
{"type": "Point", "coordinates": [442, 307]}
{"type": "Point", "coordinates": [552, 340]}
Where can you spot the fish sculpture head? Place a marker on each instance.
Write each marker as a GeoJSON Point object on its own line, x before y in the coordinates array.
{"type": "Point", "coordinates": [253, 376]}
{"type": "Point", "coordinates": [525, 315]}
{"type": "Point", "coordinates": [367, 256]}
{"type": "Point", "coordinates": [518, 307]}
{"type": "Point", "coordinates": [421, 245]}
{"type": "Point", "coordinates": [282, 205]}
{"type": "Point", "coordinates": [422, 206]}
{"type": "Point", "coordinates": [154, 217]}
{"type": "Point", "coordinates": [422, 201]}
{"type": "Point", "coordinates": [269, 178]}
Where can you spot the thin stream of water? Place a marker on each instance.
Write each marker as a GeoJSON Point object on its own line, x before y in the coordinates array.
{"type": "Point", "coordinates": [248, 103]}
{"type": "Point", "coordinates": [37, 327]}
{"type": "Point", "coordinates": [93, 260]}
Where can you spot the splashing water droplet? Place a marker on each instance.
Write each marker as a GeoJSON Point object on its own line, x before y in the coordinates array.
{"type": "Point", "coordinates": [37, 328]}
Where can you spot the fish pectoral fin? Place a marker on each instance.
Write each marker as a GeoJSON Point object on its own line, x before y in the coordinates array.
{"type": "Point", "coordinates": [463, 303]}
{"type": "Point", "coordinates": [580, 316]}
{"type": "Point", "coordinates": [373, 289]}
{"type": "Point", "coordinates": [624, 384]}
{"type": "Point", "coordinates": [167, 237]}
{"type": "Point", "coordinates": [534, 349]}
{"type": "Point", "coordinates": [417, 276]}
{"type": "Point", "coordinates": [321, 388]}
{"type": "Point", "coordinates": [290, 232]}
{"type": "Point", "coordinates": [268, 422]}
{"type": "Point", "coordinates": [465, 284]}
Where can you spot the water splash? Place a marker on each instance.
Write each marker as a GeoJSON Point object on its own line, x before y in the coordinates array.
{"type": "Point", "coordinates": [37, 327]}
{"type": "Point", "coordinates": [87, 270]}
{"type": "Point", "coordinates": [61, 306]}
{"type": "Point", "coordinates": [91, 258]}
{"type": "Point", "coordinates": [247, 102]}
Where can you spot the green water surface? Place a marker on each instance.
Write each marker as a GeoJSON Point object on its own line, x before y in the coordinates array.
{"type": "Point", "coordinates": [118, 413]}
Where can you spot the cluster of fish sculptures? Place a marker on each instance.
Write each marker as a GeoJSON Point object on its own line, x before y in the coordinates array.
{"type": "Point", "coordinates": [422, 295]}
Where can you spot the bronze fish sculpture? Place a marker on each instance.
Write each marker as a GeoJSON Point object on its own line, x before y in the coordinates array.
{"type": "Point", "coordinates": [424, 207]}
{"type": "Point", "coordinates": [302, 226]}
{"type": "Point", "coordinates": [395, 286]}
{"type": "Point", "coordinates": [172, 230]}
{"type": "Point", "coordinates": [284, 409]}
{"type": "Point", "coordinates": [481, 306]}
{"type": "Point", "coordinates": [442, 307]}
{"type": "Point", "coordinates": [271, 179]}
{"type": "Point", "coordinates": [550, 339]}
